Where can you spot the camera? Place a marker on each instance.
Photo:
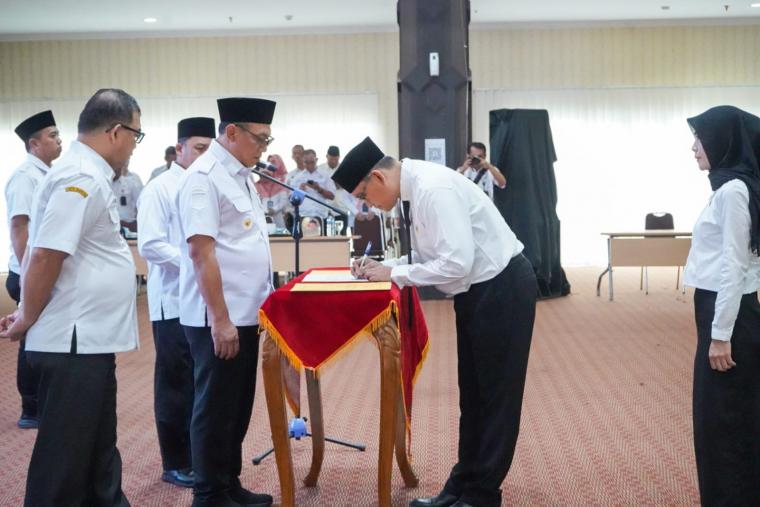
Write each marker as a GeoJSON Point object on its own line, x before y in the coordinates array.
{"type": "Point", "coordinates": [475, 161]}
{"type": "Point", "coordinates": [310, 182]}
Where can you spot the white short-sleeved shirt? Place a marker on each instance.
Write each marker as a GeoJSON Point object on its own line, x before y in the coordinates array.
{"type": "Point", "coordinates": [19, 192]}
{"type": "Point", "coordinates": [75, 211]}
{"type": "Point", "coordinates": [458, 236]}
{"type": "Point", "coordinates": [217, 198]}
{"type": "Point", "coordinates": [158, 241]}
{"type": "Point", "coordinates": [127, 190]}
{"type": "Point", "coordinates": [720, 258]}
{"type": "Point", "coordinates": [309, 208]}
{"type": "Point", "coordinates": [486, 182]}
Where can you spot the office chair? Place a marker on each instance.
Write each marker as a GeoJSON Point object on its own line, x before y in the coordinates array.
{"type": "Point", "coordinates": [658, 221]}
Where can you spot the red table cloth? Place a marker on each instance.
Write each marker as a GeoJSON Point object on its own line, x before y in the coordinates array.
{"type": "Point", "coordinates": [312, 328]}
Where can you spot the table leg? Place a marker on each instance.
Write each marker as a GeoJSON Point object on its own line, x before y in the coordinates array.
{"type": "Point", "coordinates": [317, 427]}
{"type": "Point", "coordinates": [402, 458]}
{"type": "Point", "coordinates": [388, 342]}
{"type": "Point", "coordinates": [599, 282]}
{"type": "Point", "coordinates": [278, 422]}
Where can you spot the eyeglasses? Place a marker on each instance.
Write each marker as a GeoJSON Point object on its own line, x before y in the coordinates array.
{"type": "Point", "coordinates": [363, 194]}
{"type": "Point", "coordinates": [139, 134]}
{"type": "Point", "coordinates": [265, 140]}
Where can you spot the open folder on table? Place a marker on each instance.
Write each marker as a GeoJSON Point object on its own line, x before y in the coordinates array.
{"type": "Point", "coordinates": [336, 280]}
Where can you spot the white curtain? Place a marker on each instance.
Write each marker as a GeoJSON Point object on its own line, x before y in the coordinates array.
{"type": "Point", "coordinates": [314, 120]}
{"type": "Point", "coordinates": [622, 153]}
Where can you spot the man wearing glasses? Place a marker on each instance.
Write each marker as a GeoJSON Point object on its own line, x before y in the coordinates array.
{"type": "Point", "coordinates": [225, 276]}
{"type": "Point", "coordinates": [461, 245]}
{"type": "Point", "coordinates": [75, 319]}
{"type": "Point", "coordinates": [43, 145]}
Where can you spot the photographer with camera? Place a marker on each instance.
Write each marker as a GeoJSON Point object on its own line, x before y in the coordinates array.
{"type": "Point", "coordinates": [481, 171]}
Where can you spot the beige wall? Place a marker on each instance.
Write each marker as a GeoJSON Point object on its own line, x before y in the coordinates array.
{"type": "Point", "coordinates": [513, 58]}
{"type": "Point", "coordinates": [190, 67]}
{"type": "Point", "coordinates": [685, 56]}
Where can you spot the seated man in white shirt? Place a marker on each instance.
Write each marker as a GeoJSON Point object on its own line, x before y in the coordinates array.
{"type": "Point", "coordinates": [480, 171]}
{"type": "Point", "coordinates": [43, 145]}
{"type": "Point", "coordinates": [225, 276]}
{"type": "Point", "coordinates": [315, 183]}
{"type": "Point", "coordinates": [332, 160]}
{"type": "Point", "coordinates": [461, 245]}
{"type": "Point", "coordinates": [75, 319]}
{"type": "Point", "coordinates": [159, 243]}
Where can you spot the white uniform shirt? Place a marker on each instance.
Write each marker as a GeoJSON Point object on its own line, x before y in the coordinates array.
{"type": "Point", "coordinates": [217, 198]}
{"type": "Point", "coordinates": [157, 172]}
{"type": "Point", "coordinates": [127, 190]}
{"type": "Point", "coordinates": [458, 236]}
{"type": "Point", "coordinates": [326, 169]}
{"type": "Point", "coordinates": [76, 212]}
{"type": "Point", "coordinates": [486, 183]}
{"type": "Point", "coordinates": [720, 258]}
{"type": "Point", "coordinates": [158, 240]}
{"type": "Point", "coordinates": [310, 208]}
{"type": "Point", "coordinates": [278, 203]}
{"type": "Point", "coordinates": [19, 192]}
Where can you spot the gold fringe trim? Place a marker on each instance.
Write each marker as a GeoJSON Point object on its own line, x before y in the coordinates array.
{"type": "Point", "coordinates": [391, 312]}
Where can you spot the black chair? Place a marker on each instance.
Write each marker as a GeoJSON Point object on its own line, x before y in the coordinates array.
{"type": "Point", "coordinates": [658, 221]}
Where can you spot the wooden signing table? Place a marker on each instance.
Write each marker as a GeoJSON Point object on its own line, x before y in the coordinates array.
{"type": "Point", "coordinates": [648, 248]}
{"type": "Point", "coordinates": [293, 325]}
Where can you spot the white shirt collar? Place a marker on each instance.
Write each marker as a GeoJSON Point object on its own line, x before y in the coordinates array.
{"type": "Point", "coordinates": [176, 169]}
{"type": "Point", "coordinates": [99, 161]}
{"type": "Point", "coordinates": [406, 179]}
{"type": "Point", "coordinates": [233, 165]}
{"type": "Point", "coordinates": [39, 164]}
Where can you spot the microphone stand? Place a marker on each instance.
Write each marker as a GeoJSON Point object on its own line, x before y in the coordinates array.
{"type": "Point", "coordinates": [297, 426]}
{"type": "Point", "coordinates": [296, 199]}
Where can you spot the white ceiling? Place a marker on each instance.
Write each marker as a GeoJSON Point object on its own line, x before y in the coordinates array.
{"type": "Point", "coordinates": [43, 18]}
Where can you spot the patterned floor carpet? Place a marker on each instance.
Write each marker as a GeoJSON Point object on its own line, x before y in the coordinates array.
{"type": "Point", "coordinates": [606, 418]}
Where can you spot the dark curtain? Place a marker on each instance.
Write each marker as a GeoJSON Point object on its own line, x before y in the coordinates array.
{"type": "Point", "coordinates": [523, 149]}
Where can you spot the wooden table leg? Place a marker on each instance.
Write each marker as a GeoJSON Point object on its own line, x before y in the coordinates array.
{"type": "Point", "coordinates": [278, 422]}
{"type": "Point", "coordinates": [402, 458]}
{"type": "Point", "coordinates": [390, 375]}
{"type": "Point", "coordinates": [317, 427]}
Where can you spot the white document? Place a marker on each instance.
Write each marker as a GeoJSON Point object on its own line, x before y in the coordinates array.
{"type": "Point", "coordinates": [332, 276]}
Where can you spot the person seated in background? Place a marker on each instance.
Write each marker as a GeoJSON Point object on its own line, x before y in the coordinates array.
{"type": "Point", "coordinates": [127, 187]}
{"type": "Point", "coordinates": [296, 154]}
{"type": "Point", "coordinates": [314, 183]}
{"type": "Point", "coordinates": [274, 196]}
{"type": "Point", "coordinates": [332, 161]}
{"type": "Point", "coordinates": [480, 171]}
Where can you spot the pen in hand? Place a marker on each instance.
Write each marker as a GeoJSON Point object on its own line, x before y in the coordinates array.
{"type": "Point", "coordinates": [366, 253]}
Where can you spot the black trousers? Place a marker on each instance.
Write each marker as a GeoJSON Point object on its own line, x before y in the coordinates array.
{"type": "Point", "coordinates": [75, 461]}
{"type": "Point", "coordinates": [727, 408]}
{"type": "Point", "coordinates": [27, 378]}
{"type": "Point", "coordinates": [173, 393]}
{"type": "Point", "coordinates": [222, 409]}
{"type": "Point", "coordinates": [494, 321]}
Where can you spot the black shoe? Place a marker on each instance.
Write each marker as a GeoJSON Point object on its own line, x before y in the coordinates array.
{"type": "Point", "coordinates": [242, 496]}
{"type": "Point", "coordinates": [219, 500]}
{"type": "Point", "coordinates": [460, 503]}
{"type": "Point", "coordinates": [28, 422]}
{"type": "Point", "coordinates": [182, 478]}
{"type": "Point", "coordinates": [443, 499]}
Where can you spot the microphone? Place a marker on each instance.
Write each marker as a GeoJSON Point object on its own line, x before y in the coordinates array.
{"type": "Point", "coordinates": [296, 197]}
{"type": "Point", "coordinates": [266, 166]}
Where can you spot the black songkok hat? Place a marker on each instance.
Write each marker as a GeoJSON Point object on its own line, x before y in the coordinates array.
{"type": "Point", "coordinates": [357, 164]}
{"type": "Point", "coordinates": [39, 121]}
{"type": "Point", "coordinates": [245, 110]}
{"type": "Point", "coordinates": [198, 126]}
{"type": "Point", "coordinates": [333, 151]}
